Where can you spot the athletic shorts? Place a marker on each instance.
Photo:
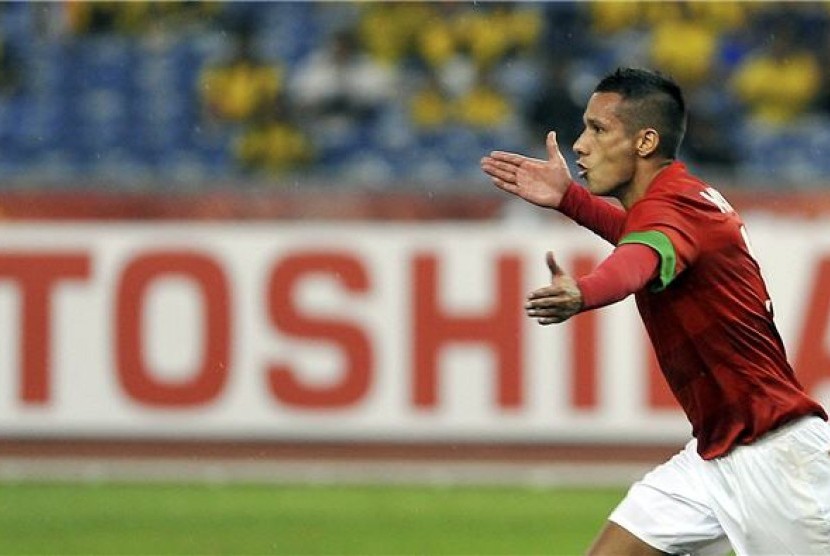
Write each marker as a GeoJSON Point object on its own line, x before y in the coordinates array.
{"type": "Point", "coordinates": [771, 497]}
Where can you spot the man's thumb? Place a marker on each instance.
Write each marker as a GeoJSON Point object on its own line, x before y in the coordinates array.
{"type": "Point", "coordinates": [552, 145]}
{"type": "Point", "coordinates": [554, 268]}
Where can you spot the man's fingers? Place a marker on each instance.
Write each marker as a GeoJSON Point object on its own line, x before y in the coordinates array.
{"type": "Point", "coordinates": [552, 290]}
{"type": "Point", "coordinates": [553, 312]}
{"type": "Point", "coordinates": [501, 170]}
{"type": "Point", "coordinates": [550, 316]}
{"type": "Point", "coordinates": [551, 305]}
{"type": "Point", "coordinates": [502, 174]}
{"type": "Point", "coordinates": [549, 313]}
{"type": "Point", "coordinates": [547, 321]}
{"type": "Point", "coordinates": [555, 270]}
{"type": "Point", "coordinates": [511, 158]}
{"type": "Point", "coordinates": [515, 159]}
{"type": "Point", "coordinates": [552, 145]}
{"type": "Point", "coordinates": [510, 187]}
{"type": "Point", "coordinates": [553, 299]}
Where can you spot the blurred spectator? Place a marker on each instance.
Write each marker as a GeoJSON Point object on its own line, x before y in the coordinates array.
{"type": "Point", "coordinates": [555, 107]}
{"type": "Point", "coordinates": [436, 44]}
{"type": "Point", "coordinates": [234, 89]}
{"type": "Point", "coordinates": [273, 143]}
{"type": "Point", "coordinates": [822, 41]}
{"type": "Point", "coordinates": [610, 17]}
{"type": "Point", "coordinates": [464, 41]}
{"type": "Point", "coordinates": [722, 16]}
{"type": "Point", "coordinates": [527, 26]}
{"type": "Point", "coordinates": [484, 106]}
{"type": "Point", "coordinates": [104, 17]}
{"type": "Point", "coordinates": [11, 79]}
{"type": "Point", "coordinates": [683, 46]}
{"type": "Point", "coordinates": [779, 81]}
{"type": "Point", "coordinates": [430, 107]}
{"type": "Point", "coordinates": [485, 34]}
{"type": "Point", "coordinates": [618, 34]}
{"type": "Point", "coordinates": [439, 48]}
{"type": "Point", "coordinates": [135, 16]}
{"type": "Point", "coordinates": [389, 29]}
{"type": "Point", "coordinates": [370, 81]}
{"type": "Point", "coordinates": [340, 82]}
{"type": "Point", "coordinates": [564, 26]}
{"type": "Point", "coordinates": [708, 144]}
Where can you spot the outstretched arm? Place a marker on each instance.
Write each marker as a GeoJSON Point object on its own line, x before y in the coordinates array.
{"type": "Point", "coordinates": [627, 270]}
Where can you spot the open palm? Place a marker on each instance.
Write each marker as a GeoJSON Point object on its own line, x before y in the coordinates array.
{"type": "Point", "coordinates": [541, 182]}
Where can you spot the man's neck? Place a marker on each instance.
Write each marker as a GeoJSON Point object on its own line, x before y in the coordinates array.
{"type": "Point", "coordinates": [642, 180]}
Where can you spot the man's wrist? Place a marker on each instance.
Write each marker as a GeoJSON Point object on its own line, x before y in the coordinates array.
{"type": "Point", "coordinates": [569, 198]}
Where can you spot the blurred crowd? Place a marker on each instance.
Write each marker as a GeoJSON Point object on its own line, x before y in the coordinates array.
{"type": "Point", "coordinates": [390, 94]}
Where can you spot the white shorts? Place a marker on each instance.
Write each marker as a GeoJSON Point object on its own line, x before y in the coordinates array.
{"type": "Point", "coordinates": [772, 497]}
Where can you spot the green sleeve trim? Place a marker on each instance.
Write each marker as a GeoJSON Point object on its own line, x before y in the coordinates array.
{"type": "Point", "coordinates": [663, 245]}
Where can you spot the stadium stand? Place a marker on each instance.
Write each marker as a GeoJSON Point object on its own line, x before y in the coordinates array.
{"type": "Point", "coordinates": [140, 94]}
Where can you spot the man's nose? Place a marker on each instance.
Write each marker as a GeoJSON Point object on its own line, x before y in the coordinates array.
{"type": "Point", "coordinates": [579, 146]}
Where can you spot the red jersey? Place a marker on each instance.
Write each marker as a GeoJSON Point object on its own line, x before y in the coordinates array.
{"type": "Point", "coordinates": [709, 315]}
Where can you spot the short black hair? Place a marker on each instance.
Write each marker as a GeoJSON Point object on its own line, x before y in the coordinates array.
{"type": "Point", "coordinates": [652, 100]}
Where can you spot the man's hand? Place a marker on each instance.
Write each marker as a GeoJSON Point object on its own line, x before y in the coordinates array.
{"type": "Point", "coordinates": [541, 182]}
{"type": "Point", "coordinates": [555, 303]}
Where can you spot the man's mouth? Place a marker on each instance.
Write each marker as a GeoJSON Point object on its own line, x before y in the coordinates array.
{"type": "Point", "coordinates": [583, 171]}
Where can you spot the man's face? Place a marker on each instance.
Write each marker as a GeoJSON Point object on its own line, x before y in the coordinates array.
{"type": "Point", "coordinates": [606, 152]}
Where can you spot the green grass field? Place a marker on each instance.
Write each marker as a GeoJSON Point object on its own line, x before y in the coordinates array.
{"type": "Point", "coordinates": [106, 518]}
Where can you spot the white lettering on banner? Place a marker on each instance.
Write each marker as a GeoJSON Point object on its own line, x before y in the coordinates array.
{"type": "Point", "coordinates": [349, 332]}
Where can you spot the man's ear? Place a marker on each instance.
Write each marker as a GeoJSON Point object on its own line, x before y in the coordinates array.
{"type": "Point", "coordinates": [647, 142]}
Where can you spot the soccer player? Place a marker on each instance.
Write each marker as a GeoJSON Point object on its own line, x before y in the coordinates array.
{"type": "Point", "coordinates": [756, 474]}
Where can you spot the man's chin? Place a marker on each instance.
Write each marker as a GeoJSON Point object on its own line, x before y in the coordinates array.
{"type": "Point", "coordinates": [594, 187]}
{"type": "Point", "coordinates": [602, 190]}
